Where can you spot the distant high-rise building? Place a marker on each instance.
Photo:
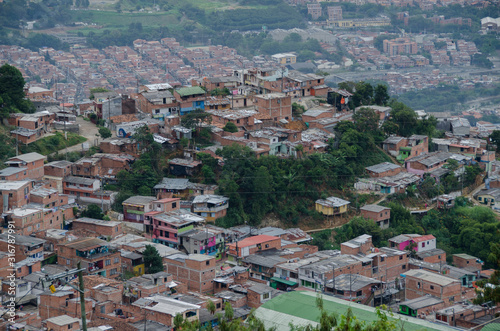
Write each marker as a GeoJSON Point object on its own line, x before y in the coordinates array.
{"type": "Point", "coordinates": [314, 9]}
{"type": "Point", "coordinates": [334, 13]}
{"type": "Point", "coordinates": [400, 46]}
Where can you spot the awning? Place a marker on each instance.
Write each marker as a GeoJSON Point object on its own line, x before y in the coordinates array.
{"type": "Point", "coordinates": [284, 281]}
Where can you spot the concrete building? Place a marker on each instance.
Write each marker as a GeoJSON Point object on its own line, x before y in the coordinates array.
{"type": "Point", "coordinates": [400, 46]}
{"type": "Point", "coordinates": [334, 13]}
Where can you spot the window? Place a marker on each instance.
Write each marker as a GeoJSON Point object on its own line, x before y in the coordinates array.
{"type": "Point", "coordinates": [401, 257]}
{"type": "Point", "coordinates": [113, 271]}
{"type": "Point", "coordinates": [403, 267]}
{"type": "Point", "coordinates": [174, 205]}
{"type": "Point", "coordinates": [70, 326]}
{"type": "Point", "coordinates": [267, 245]}
{"type": "Point", "coordinates": [423, 245]}
{"type": "Point", "coordinates": [359, 293]}
{"type": "Point", "coordinates": [266, 296]}
{"type": "Point", "coordinates": [382, 258]}
{"type": "Point", "coordinates": [103, 309]}
{"type": "Point", "coordinates": [117, 259]}
{"type": "Point", "coordinates": [207, 263]}
{"type": "Point", "coordinates": [432, 287]}
{"type": "Point", "coordinates": [108, 262]}
{"type": "Point", "coordinates": [340, 292]}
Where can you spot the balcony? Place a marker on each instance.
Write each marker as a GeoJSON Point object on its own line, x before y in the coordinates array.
{"type": "Point", "coordinates": [206, 209]}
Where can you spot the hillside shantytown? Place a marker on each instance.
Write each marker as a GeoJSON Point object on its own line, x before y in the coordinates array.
{"type": "Point", "coordinates": [183, 210]}
{"type": "Point", "coordinates": [249, 165]}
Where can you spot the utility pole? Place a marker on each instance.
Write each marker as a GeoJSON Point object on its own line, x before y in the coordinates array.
{"type": "Point", "coordinates": [80, 288]}
{"type": "Point", "coordinates": [82, 297]}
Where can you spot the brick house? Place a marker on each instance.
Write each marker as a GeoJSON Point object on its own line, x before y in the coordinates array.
{"type": "Point", "coordinates": [61, 303]}
{"type": "Point", "coordinates": [422, 243]}
{"type": "Point", "coordinates": [32, 161]}
{"type": "Point", "coordinates": [212, 83]}
{"type": "Point", "coordinates": [241, 118]}
{"type": "Point", "coordinates": [389, 263]}
{"type": "Point", "coordinates": [190, 98]}
{"type": "Point", "coordinates": [422, 282]}
{"type": "Point", "coordinates": [425, 163]}
{"type": "Point", "coordinates": [210, 206]}
{"type": "Point", "coordinates": [199, 241]}
{"type": "Point", "coordinates": [274, 106]}
{"type": "Point", "coordinates": [62, 323]}
{"type": "Point", "coordinates": [251, 245]}
{"type": "Point", "coordinates": [102, 165]}
{"type": "Point", "coordinates": [14, 194]}
{"type": "Point", "coordinates": [353, 287]}
{"type": "Point", "coordinates": [380, 214]}
{"type": "Point", "coordinates": [95, 254]}
{"type": "Point", "coordinates": [132, 262]}
{"type": "Point", "coordinates": [259, 294]}
{"type": "Point", "coordinates": [158, 103]}
{"type": "Point", "coordinates": [164, 227]}
{"type": "Point", "coordinates": [197, 270]}
{"type": "Point", "coordinates": [24, 246]}
{"type": "Point", "coordinates": [163, 310]}
{"type": "Point", "coordinates": [332, 206]}
{"type": "Point", "coordinates": [87, 190]}
{"type": "Point", "coordinates": [110, 229]}
{"type": "Point", "coordinates": [48, 197]}
{"type": "Point", "coordinates": [468, 262]}
{"type": "Point", "coordinates": [160, 283]}
{"type": "Point", "coordinates": [432, 256]}
{"type": "Point", "coordinates": [359, 245]}
{"type": "Point", "coordinates": [29, 221]}
{"type": "Point", "coordinates": [315, 275]}
{"type": "Point", "coordinates": [58, 169]}
{"type": "Point", "coordinates": [135, 207]}
{"type": "Point", "coordinates": [119, 145]}
{"type": "Point", "coordinates": [422, 305]}
{"type": "Point", "coordinates": [11, 174]}
{"type": "Point", "coordinates": [384, 169]}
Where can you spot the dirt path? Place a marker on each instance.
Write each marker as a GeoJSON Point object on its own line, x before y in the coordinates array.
{"type": "Point", "coordinates": [87, 130]}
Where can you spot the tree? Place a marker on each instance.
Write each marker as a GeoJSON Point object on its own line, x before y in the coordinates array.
{"type": "Point", "coordinates": [105, 133]}
{"type": "Point", "coordinates": [228, 311]}
{"type": "Point", "coordinates": [97, 90]}
{"type": "Point", "coordinates": [366, 119]}
{"type": "Point", "coordinates": [12, 92]}
{"type": "Point", "coordinates": [381, 95]}
{"type": "Point", "coordinates": [211, 307]}
{"type": "Point", "coordinates": [194, 118]}
{"type": "Point", "coordinates": [152, 260]}
{"type": "Point", "coordinates": [495, 139]}
{"type": "Point", "coordinates": [93, 211]}
{"type": "Point", "coordinates": [230, 127]}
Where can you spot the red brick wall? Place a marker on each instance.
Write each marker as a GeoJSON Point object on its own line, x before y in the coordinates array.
{"type": "Point", "coordinates": [443, 292]}
{"type": "Point", "coordinates": [392, 172]}
{"type": "Point", "coordinates": [376, 216]}
{"type": "Point", "coordinates": [104, 230]}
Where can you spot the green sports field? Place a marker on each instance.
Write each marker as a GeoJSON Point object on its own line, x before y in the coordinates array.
{"type": "Point", "coordinates": [287, 307]}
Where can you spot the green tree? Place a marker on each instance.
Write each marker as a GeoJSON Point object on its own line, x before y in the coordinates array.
{"type": "Point", "coordinates": [105, 132]}
{"type": "Point", "coordinates": [211, 307]}
{"type": "Point", "coordinates": [228, 311]}
{"type": "Point", "coordinates": [381, 96]}
{"type": "Point", "coordinates": [194, 118]}
{"type": "Point", "coordinates": [230, 127]}
{"type": "Point", "coordinates": [93, 211]}
{"type": "Point", "coordinates": [366, 119]}
{"type": "Point", "coordinates": [12, 92]}
{"type": "Point", "coordinates": [153, 262]}
{"type": "Point", "coordinates": [494, 137]}
{"type": "Point", "coordinates": [97, 89]}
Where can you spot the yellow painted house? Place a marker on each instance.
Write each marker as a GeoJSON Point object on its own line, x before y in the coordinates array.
{"type": "Point", "coordinates": [134, 262]}
{"type": "Point", "coordinates": [332, 206]}
{"type": "Point", "coordinates": [284, 58]}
